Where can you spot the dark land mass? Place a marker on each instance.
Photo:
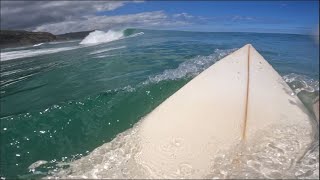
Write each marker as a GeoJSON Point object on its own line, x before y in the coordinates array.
{"type": "Point", "coordinates": [15, 38]}
{"type": "Point", "coordinates": [75, 35]}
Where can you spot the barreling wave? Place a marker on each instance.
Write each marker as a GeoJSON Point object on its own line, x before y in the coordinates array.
{"type": "Point", "coordinates": [99, 37]}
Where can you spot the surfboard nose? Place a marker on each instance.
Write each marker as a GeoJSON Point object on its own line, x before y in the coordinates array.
{"type": "Point", "coordinates": [248, 45]}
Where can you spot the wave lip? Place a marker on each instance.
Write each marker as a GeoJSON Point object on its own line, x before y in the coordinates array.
{"type": "Point", "coordinates": [98, 37]}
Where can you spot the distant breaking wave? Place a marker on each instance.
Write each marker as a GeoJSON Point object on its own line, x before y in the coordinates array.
{"type": "Point", "coordinates": [99, 37]}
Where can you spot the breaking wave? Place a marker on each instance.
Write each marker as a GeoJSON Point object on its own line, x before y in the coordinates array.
{"type": "Point", "coordinates": [99, 37]}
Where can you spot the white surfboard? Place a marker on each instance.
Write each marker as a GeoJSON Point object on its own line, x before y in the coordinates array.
{"type": "Point", "coordinates": [227, 104]}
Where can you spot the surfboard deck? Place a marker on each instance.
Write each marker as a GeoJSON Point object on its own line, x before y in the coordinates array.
{"type": "Point", "coordinates": [227, 104]}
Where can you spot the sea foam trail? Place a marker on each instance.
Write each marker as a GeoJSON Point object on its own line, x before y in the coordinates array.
{"type": "Point", "coordinates": [107, 49]}
{"type": "Point", "coordinates": [5, 56]}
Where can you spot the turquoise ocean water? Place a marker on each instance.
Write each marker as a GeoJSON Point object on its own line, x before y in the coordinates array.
{"type": "Point", "coordinates": [62, 100]}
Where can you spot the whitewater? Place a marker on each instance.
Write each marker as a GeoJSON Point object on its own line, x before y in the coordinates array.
{"type": "Point", "coordinates": [73, 109]}
{"type": "Point", "coordinates": [94, 38]}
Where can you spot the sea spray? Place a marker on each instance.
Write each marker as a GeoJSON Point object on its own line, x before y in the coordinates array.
{"type": "Point", "coordinates": [98, 37]}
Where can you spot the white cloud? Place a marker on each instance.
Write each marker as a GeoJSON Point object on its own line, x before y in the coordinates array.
{"type": "Point", "coordinates": [242, 18]}
{"type": "Point", "coordinates": [145, 19]}
{"type": "Point", "coordinates": [183, 15]}
{"type": "Point", "coordinates": [70, 16]}
{"type": "Point", "coordinates": [28, 14]}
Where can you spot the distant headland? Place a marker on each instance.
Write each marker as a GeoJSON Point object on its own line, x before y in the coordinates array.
{"type": "Point", "coordinates": [15, 38]}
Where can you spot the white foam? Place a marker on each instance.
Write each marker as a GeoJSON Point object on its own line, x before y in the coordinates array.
{"type": "Point", "coordinates": [274, 155]}
{"type": "Point", "coordinates": [38, 44]}
{"type": "Point", "coordinates": [190, 67]}
{"type": "Point", "coordinates": [301, 83]}
{"type": "Point", "coordinates": [31, 53]}
{"type": "Point", "coordinates": [98, 37]}
{"type": "Point", "coordinates": [136, 34]}
{"type": "Point", "coordinates": [107, 49]}
{"type": "Point", "coordinates": [103, 56]}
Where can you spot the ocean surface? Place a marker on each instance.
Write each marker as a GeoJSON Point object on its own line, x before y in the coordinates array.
{"type": "Point", "coordinates": [63, 104]}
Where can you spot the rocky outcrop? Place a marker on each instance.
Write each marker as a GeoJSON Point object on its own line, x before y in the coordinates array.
{"type": "Point", "coordinates": [10, 38]}
{"type": "Point", "coordinates": [75, 35]}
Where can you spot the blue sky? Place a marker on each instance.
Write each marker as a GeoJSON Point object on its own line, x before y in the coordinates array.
{"type": "Point", "coordinates": [265, 16]}
{"type": "Point", "coordinates": [298, 17]}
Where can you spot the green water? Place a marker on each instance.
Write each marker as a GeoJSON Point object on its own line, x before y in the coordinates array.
{"type": "Point", "coordinates": [61, 106]}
